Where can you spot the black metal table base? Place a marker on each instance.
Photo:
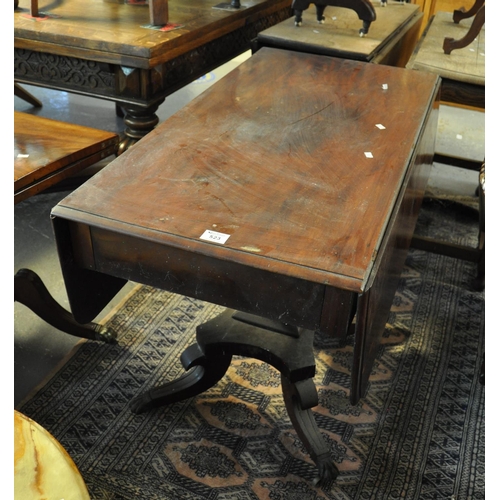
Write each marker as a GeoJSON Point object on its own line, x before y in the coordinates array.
{"type": "Point", "coordinates": [286, 348]}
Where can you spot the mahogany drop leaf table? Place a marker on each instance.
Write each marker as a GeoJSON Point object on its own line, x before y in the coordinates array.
{"type": "Point", "coordinates": [288, 192]}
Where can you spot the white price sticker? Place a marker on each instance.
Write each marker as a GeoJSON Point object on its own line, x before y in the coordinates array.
{"type": "Point", "coordinates": [214, 237]}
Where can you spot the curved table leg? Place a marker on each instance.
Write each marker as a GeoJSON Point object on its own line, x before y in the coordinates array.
{"type": "Point", "coordinates": [30, 291]}
{"type": "Point", "coordinates": [299, 398]}
{"type": "Point", "coordinates": [207, 372]}
{"type": "Point", "coordinates": [461, 13]}
{"type": "Point", "coordinates": [450, 44]}
{"type": "Point", "coordinates": [234, 333]}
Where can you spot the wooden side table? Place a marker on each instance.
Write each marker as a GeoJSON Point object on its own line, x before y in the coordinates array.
{"type": "Point", "coordinates": [293, 203]}
{"type": "Point", "coordinates": [391, 38]}
{"type": "Point", "coordinates": [42, 467]}
{"type": "Point", "coordinates": [45, 153]}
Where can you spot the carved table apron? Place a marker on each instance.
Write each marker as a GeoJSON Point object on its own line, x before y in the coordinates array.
{"type": "Point", "coordinates": [106, 50]}
{"type": "Point", "coordinates": [295, 201]}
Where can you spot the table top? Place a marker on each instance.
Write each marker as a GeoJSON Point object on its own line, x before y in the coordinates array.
{"type": "Point", "coordinates": [42, 467]}
{"type": "Point", "coordinates": [118, 32]}
{"type": "Point", "coordinates": [44, 147]}
{"type": "Point", "coordinates": [297, 160]}
{"type": "Point", "coordinates": [339, 35]}
{"type": "Point", "coordinates": [463, 65]}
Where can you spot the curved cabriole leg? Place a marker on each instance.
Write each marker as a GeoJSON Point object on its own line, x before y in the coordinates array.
{"type": "Point", "coordinates": [461, 13]}
{"type": "Point", "coordinates": [299, 398]}
{"type": "Point", "coordinates": [30, 291]}
{"type": "Point", "coordinates": [206, 372]}
{"type": "Point", "coordinates": [450, 44]}
{"type": "Point", "coordinates": [282, 346]}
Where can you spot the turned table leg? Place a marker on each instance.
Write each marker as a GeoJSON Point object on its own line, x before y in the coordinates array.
{"type": "Point", "coordinates": [138, 122]}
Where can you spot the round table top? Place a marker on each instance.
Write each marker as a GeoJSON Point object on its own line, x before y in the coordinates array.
{"type": "Point", "coordinates": [42, 467]}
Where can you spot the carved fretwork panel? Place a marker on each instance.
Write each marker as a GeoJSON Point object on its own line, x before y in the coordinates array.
{"type": "Point", "coordinates": [190, 66]}
{"type": "Point", "coordinates": [68, 73]}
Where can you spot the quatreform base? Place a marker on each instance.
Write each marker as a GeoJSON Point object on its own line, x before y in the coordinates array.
{"type": "Point", "coordinates": [287, 348]}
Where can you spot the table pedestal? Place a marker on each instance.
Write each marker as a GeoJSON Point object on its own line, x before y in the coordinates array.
{"type": "Point", "coordinates": [287, 348]}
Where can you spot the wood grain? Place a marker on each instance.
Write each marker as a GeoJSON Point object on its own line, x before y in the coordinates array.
{"type": "Point", "coordinates": [119, 34]}
{"type": "Point", "coordinates": [47, 151]}
{"type": "Point", "coordinates": [313, 167]}
{"type": "Point", "coordinates": [280, 167]}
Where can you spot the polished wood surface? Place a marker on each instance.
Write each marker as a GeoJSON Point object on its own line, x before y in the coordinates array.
{"type": "Point", "coordinates": [109, 50]}
{"type": "Point", "coordinates": [274, 170]}
{"type": "Point", "coordinates": [391, 38]}
{"type": "Point", "coordinates": [47, 151]}
{"type": "Point", "coordinates": [314, 168]}
{"type": "Point", "coordinates": [119, 33]}
{"type": "Point", "coordinates": [42, 467]}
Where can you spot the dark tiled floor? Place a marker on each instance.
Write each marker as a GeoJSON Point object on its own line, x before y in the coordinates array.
{"type": "Point", "coordinates": [39, 348]}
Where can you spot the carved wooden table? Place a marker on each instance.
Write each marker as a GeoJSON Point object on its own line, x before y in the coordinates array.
{"type": "Point", "coordinates": [293, 203]}
{"type": "Point", "coordinates": [110, 51]}
{"type": "Point", "coordinates": [390, 41]}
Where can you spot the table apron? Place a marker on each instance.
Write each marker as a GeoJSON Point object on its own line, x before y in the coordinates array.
{"type": "Point", "coordinates": [94, 259]}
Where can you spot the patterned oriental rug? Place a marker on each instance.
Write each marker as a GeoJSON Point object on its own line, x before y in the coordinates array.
{"type": "Point", "coordinates": [418, 434]}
